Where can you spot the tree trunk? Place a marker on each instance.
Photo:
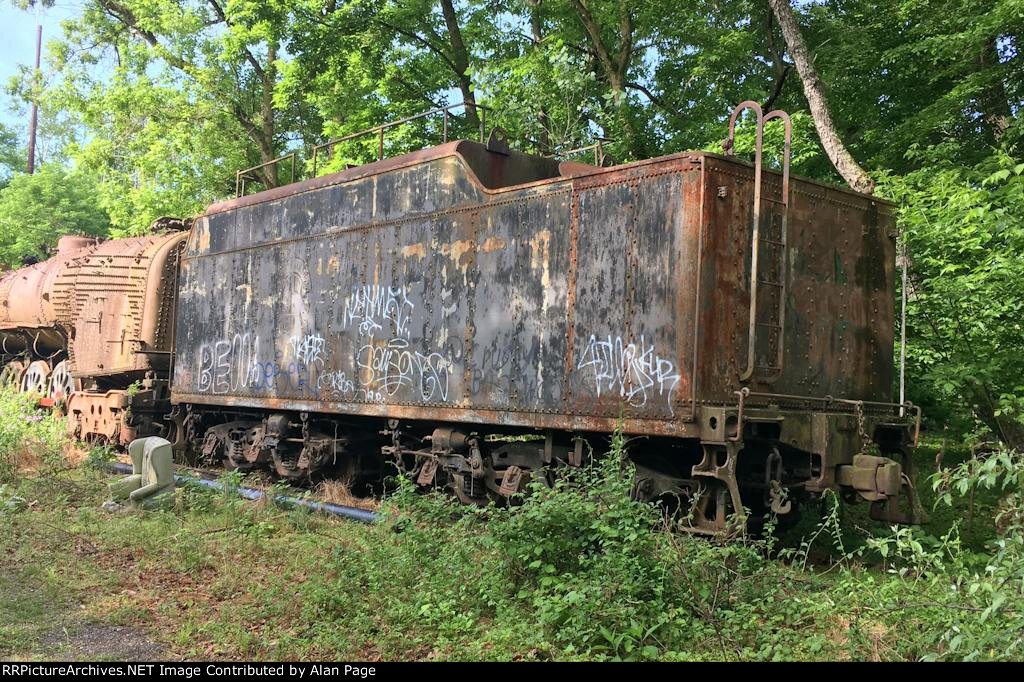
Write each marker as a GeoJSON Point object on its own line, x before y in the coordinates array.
{"type": "Point", "coordinates": [268, 150]}
{"type": "Point", "coordinates": [994, 102]}
{"type": "Point", "coordinates": [814, 90]}
{"type": "Point", "coordinates": [780, 69]}
{"type": "Point", "coordinates": [460, 59]}
{"type": "Point", "coordinates": [615, 67]}
{"type": "Point", "coordinates": [537, 29]}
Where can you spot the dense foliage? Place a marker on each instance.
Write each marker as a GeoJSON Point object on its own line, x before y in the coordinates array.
{"type": "Point", "coordinates": [35, 210]}
{"type": "Point", "coordinates": [10, 159]}
{"type": "Point", "coordinates": [964, 230]}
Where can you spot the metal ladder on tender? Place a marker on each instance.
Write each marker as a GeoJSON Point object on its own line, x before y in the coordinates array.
{"type": "Point", "coordinates": [773, 241]}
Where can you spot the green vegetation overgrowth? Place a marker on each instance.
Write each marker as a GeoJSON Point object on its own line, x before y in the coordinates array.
{"type": "Point", "coordinates": [578, 571]}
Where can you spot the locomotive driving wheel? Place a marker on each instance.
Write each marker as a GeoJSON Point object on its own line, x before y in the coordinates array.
{"type": "Point", "coordinates": [61, 384]}
{"type": "Point", "coordinates": [34, 380]}
{"type": "Point", "coordinates": [11, 374]}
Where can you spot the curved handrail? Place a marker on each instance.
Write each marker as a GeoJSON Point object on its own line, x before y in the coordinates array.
{"type": "Point", "coordinates": [727, 145]}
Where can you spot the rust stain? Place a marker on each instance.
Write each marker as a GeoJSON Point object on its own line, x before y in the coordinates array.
{"type": "Point", "coordinates": [540, 250]}
{"type": "Point", "coordinates": [493, 244]}
{"type": "Point", "coordinates": [417, 250]}
{"type": "Point", "coordinates": [204, 236]}
{"type": "Point", "coordinates": [458, 250]}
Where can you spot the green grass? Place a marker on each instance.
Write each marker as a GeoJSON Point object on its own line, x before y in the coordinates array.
{"type": "Point", "coordinates": [579, 572]}
{"type": "Point", "coordinates": [224, 578]}
{"type": "Point", "coordinates": [27, 608]}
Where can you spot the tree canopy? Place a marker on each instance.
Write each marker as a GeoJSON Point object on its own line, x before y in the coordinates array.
{"type": "Point", "coordinates": [37, 209]}
{"type": "Point", "coordinates": [11, 160]}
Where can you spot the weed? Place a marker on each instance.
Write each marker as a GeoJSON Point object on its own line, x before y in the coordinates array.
{"type": "Point", "coordinates": [30, 438]}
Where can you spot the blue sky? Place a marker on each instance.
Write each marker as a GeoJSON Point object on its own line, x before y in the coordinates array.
{"type": "Point", "coordinates": [18, 44]}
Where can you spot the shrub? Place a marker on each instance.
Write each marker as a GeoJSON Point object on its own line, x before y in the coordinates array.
{"type": "Point", "coordinates": [29, 437]}
{"type": "Point", "coordinates": [576, 570]}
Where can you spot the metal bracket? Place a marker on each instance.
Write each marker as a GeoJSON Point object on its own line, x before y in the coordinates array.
{"type": "Point", "coordinates": [576, 456]}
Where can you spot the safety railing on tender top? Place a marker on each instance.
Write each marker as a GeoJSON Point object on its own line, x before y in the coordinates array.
{"type": "Point", "coordinates": [446, 113]}
{"type": "Point", "coordinates": [248, 174]}
{"type": "Point", "coordinates": [597, 148]}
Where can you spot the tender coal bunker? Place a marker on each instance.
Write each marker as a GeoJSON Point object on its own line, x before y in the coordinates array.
{"type": "Point", "coordinates": [507, 168]}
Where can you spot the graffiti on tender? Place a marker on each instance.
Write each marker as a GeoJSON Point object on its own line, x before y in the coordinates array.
{"type": "Point", "coordinates": [393, 365]}
{"type": "Point", "coordinates": [385, 363]}
{"type": "Point", "coordinates": [308, 349]}
{"type": "Point", "coordinates": [370, 307]}
{"type": "Point", "coordinates": [226, 365]}
{"type": "Point", "coordinates": [335, 381]}
{"type": "Point", "coordinates": [631, 369]}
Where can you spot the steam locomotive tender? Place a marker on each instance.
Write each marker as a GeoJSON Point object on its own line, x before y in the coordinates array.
{"type": "Point", "coordinates": [422, 309]}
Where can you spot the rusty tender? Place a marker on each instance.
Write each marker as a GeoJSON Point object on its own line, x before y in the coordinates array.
{"type": "Point", "coordinates": [478, 318]}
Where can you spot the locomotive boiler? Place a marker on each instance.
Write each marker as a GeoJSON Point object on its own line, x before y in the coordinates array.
{"type": "Point", "coordinates": [478, 317]}
{"type": "Point", "coordinates": [32, 343]}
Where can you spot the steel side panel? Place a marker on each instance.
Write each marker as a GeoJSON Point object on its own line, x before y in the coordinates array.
{"type": "Point", "coordinates": [414, 293]}
{"type": "Point", "coordinates": [839, 270]}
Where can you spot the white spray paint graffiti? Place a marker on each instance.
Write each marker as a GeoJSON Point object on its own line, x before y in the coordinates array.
{"type": "Point", "coordinates": [228, 365]}
{"type": "Point", "coordinates": [308, 349]}
{"type": "Point", "coordinates": [372, 306]}
{"type": "Point", "coordinates": [385, 362]}
{"type": "Point", "coordinates": [337, 382]}
{"type": "Point", "coordinates": [393, 365]}
{"type": "Point", "coordinates": [632, 368]}
{"type": "Point", "coordinates": [387, 366]}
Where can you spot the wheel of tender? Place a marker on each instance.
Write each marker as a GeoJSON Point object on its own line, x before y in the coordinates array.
{"type": "Point", "coordinates": [10, 375]}
{"type": "Point", "coordinates": [61, 384]}
{"type": "Point", "coordinates": [35, 377]}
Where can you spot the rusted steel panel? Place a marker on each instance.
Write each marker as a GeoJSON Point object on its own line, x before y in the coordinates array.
{"type": "Point", "coordinates": [839, 275]}
{"type": "Point", "coordinates": [100, 414]}
{"type": "Point", "coordinates": [31, 307]}
{"type": "Point", "coordinates": [416, 287]}
{"type": "Point", "coordinates": [577, 299]}
{"type": "Point", "coordinates": [632, 248]}
{"type": "Point", "coordinates": [434, 413]}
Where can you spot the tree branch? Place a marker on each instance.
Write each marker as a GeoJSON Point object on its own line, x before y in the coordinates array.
{"type": "Point", "coordinates": [419, 39]}
{"type": "Point", "coordinates": [248, 55]}
{"type": "Point", "coordinates": [814, 89]}
{"type": "Point", "coordinates": [590, 26]}
{"type": "Point", "coordinates": [655, 99]}
{"type": "Point", "coordinates": [127, 18]}
{"type": "Point", "coordinates": [780, 80]}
